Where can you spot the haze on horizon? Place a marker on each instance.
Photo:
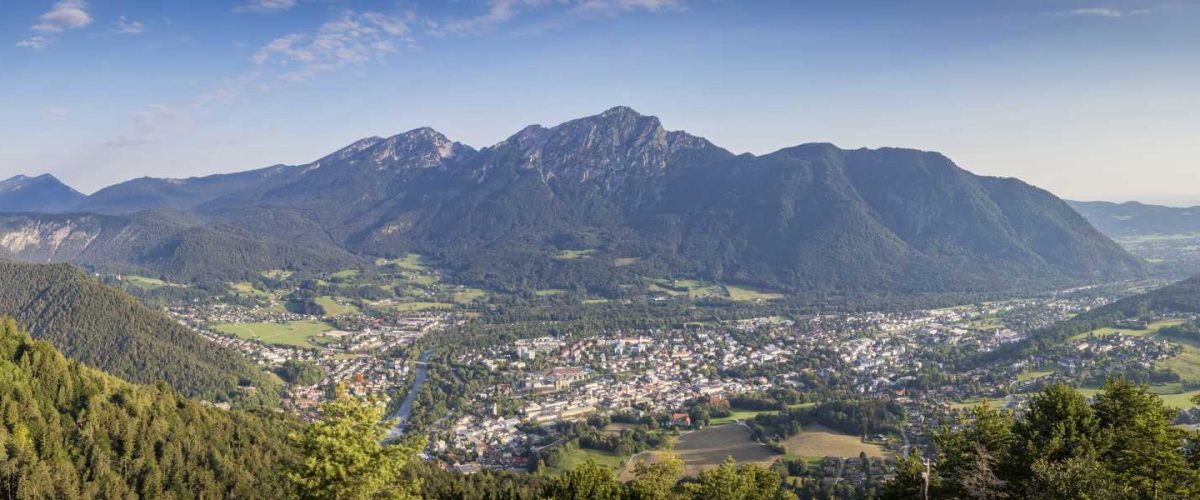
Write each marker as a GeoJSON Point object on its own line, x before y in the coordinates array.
{"type": "Point", "coordinates": [1089, 99]}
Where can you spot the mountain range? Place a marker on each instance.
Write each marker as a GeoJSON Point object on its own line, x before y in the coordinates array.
{"type": "Point", "coordinates": [620, 193]}
{"type": "Point", "coordinates": [1131, 219]}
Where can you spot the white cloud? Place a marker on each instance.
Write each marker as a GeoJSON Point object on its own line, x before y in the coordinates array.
{"type": "Point", "coordinates": [351, 38]}
{"type": "Point", "coordinates": [503, 11]}
{"type": "Point", "coordinates": [266, 6]}
{"type": "Point", "coordinates": [128, 27]}
{"type": "Point", "coordinates": [1097, 11]}
{"type": "Point", "coordinates": [628, 5]}
{"type": "Point", "coordinates": [64, 15]}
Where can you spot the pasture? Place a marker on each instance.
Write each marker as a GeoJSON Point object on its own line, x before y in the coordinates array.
{"type": "Point", "coordinates": [294, 333]}
{"type": "Point", "coordinates": [816, 441]}
{"type": "Point", "coordinates": [708, 447]}
{"type": "Point", "coordinates": [580, 455]}
{"type": "Point", "coordinates": [741, 293]}
{"type": "Point", "coordinates": [334, 308]}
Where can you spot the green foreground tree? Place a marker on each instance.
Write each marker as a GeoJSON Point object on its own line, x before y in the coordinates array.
{"type": "Point", "coordinates": [343, 456]}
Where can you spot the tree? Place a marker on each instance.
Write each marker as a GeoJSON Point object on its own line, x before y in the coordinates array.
{"type": "Point", "coordinates": [588, 481]}
{"type": "Point", "coordinates": [909, 482]}
{"type": "Point", "coordinates": [344, 458]}
{"type": "Point", "coordinates": [1059, 425]}
{"type": "Point", "coordinates": [654, 481]}
{"type": "Point", "coordinates": [732, 482]}
{"type": "Point", "coordinates": [1144, 448]}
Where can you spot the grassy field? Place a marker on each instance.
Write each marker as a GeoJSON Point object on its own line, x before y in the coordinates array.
{"type": "Point", "coordinates": [574, 254]}
{"type": "Point", "coordinates": [581, 455]}
{"type": "Point", "coordinates": [296, 333]}
{"type": "Point", "coordinates": [744, 294]}
{"type": "Point", "coordinates": [817, 441]}
{"type": "Point", "coordinates": [548, 292]}
{"type": "Point", "coordinates": [410, 262]}
{"type": "Point", "coordinates": [1030, 375]}
{"type": "Point", "coordinates": [736, 415]}
{"type": "Point", "coordinates": [246, 289]}
{"type": "Point", "coordinates": [1151, 329]}
{"type": "Point", "coordinates": [651, 457]}
{"type": "Point", "coordinates": [707, 448]}
{"type": "Point", "coordinates": [1187, 363]}
{"type": "Point", "coordinates": [334, 308]}
{"type": "Point", "coordinates": [345, 274]}
{"type": "Point", "coordinates": [469, 295]}
{"type": "Point", "coordinates": [625, 261]}
{"type": "Point", "coordinates": [277, 274]}
{"type": "Point", "coordinates": [416, 306]}
{"type": "Point", "coordinates": [144, 282]}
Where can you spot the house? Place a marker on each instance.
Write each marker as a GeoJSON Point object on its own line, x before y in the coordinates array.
{"type": "Point", "coordinates": [681, 420]}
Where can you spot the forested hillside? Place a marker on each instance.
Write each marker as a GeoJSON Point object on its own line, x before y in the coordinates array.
{"type": "Point", "coordinates": [70, 431]}
{"type": "Point", "coordinates": [111, 331]}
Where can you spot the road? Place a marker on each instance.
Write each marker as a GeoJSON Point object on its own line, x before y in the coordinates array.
{"type": "Point", "coordinates": [420, 374]}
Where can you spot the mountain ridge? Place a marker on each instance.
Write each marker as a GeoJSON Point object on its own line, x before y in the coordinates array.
{"type": "Point", "coordinates": [806, 217]}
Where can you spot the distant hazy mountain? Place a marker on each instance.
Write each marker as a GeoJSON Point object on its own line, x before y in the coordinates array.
{"type": "Point", "coordinates": [665, 203]}
{"type": "Point", "coordinates": [169, 244]}
{"type": "Point", "coordinates": [43, 193]}
{"type": "Point", "coordinates": [1121, 220]}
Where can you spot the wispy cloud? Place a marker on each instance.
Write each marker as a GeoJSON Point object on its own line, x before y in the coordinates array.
{"type": "Point", "coordinates": [128, 26]}
{"type": "Point", "coordinates": [500, 12]}
{"type": "Point", "coordinates": [1106, 12]}
{"type": "Point", "coordinates": [1097, 12]}
{"type": "Point", "coordinates": [148, 123]}
{"type": "Point", "coordinates": [266, 6]}
{"type": "Point", "coordinates": [64, 15]}
{"type": "Point", "coordinates": [351, 38]}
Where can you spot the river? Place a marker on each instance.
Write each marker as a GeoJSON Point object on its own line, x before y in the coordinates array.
{"type": "Point", "coordinates": [403, 413]}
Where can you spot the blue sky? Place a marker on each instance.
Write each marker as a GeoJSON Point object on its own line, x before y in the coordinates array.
{"type": "Point", "coordinates": [1090, 99]}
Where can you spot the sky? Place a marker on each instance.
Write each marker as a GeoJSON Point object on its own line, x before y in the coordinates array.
{"type": "Point", "coordinates": [1093, 100]}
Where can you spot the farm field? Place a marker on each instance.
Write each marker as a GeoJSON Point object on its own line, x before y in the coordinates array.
{"type": "Point", "coordinates": [415, 306]}
{"type": "Point", "coordinates": [296, 333]}
{"type": "Point", "coordinates": [1151, 329]}
{"type": "Point", "coordinates": [580, 455]}
{"type": "Point", "coordinates": [410, 262]}
{"type": "Point", "coordinates": [1035, 374]}
{"type": "Point", "coordinates": [744, 294]}
{"type": "Point", "coordinates": [736, 415]}
{"type": "Point", "coordinates": [707, 448]}
{"type": "Point", "coordinates": [625, 261]}
{"type": "Point", "coordinates": [334, 308]}
{"type": "Point", "coordinates": [469, 295]}
{"type": "Point", "coordinates": [246, 289]}
{"type": "Point", "coordinates": [145, 282]}
{"type": "Point", "coordinates": [574, 254]}
{"type": "Point", "coordinates": [1186, 363]}
{"type": "Point", "coordinates": [817, 441]}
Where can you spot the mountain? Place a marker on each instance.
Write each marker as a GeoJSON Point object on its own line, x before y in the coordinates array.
{"type": "Point", "coordinates": [70, 431]}
{"type": "Point", "coordinates": [106, 329]}
{"type": "Point", "coordinates": [175, 245]}
{"type": "Point", "coordinates": [665, 203]}
{"type": "Point", "coordinates": [1131, 219]}
{"type": "Point", "coordinates": [43, 193]}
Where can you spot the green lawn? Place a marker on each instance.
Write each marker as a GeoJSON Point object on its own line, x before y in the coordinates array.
{"type": "Point", "coordinates": [574, 254]}
{"type": "Point", "coordinates": [1151, 329]}
{"type": "Point", "coordinates": [410, 262]}
{"type": "Point", "coordinates": [469, 295]}
{"type": "Point", "coordinates": [296, 333]}
{"type": "Point", "coordinates": [1187, 363]}
{"type": "Point", "coordinates": [417, 306]}
{"type": "Point", "coordinates": [739, 293]}
{"type": "Point", "coordinates": [246, 289]}
{"type": "Point", "coordinates": [144, 282]}
{"type": "Point", "coordinates": [625, 261]}
{"type": "Point", "coordinates": [580, 455]}
{"type": "Point", "coordinates": [277, 274]}
{"type": "Point", "coordinates": [345, 274]}
{"type": "Point", "coordinates": [736, 415]}
{"type": "Point", "coordinates": [1030, 375]}
{"type": "Point", "coordinates": [334, 308]}
{"type": "Point", "coordinates": [548, 292]}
